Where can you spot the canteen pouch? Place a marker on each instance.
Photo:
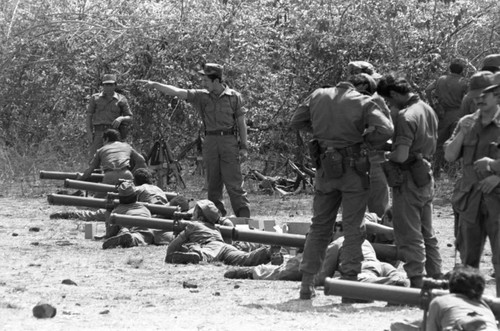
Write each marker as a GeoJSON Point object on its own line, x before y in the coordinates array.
{"type": "Point", "coordinates": [332, 164]}
{"type": "Point", "coordinates": [420, 171]}
{"type": "Point", "coordinates": [314, 152]}
{"type": "Point", "coordinates": [393, 173]}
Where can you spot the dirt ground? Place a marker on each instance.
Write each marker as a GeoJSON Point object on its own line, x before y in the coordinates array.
{"type": "Point", "coordinates": [132, 288]}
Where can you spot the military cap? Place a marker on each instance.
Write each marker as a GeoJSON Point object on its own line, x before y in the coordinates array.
{"type": "Point", "coordinates": [206, 210]}
{"type": "Point", "coordinates": [126, 189]}
{"type": "Point", "coordinates": [356, 67]}
{"type": "Point", "coordinates": [109, 79]}
{"type": "Point", "coordinates": [479, 81]}
{"type": "Point", "coordinates": [212, 69]}
{"type": "Point", "coordinates": [491, 62]}
{"type": "Point", "coordinates": [495, 83]}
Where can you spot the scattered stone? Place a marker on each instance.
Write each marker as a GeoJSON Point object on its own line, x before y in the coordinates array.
{"type": "Point", "coordinates": [64, 243]}
{"type": "Point", "coordinates": [449, 245]}
{"type": "Point", "coordinates": [44, 310]}
{"type": "Point", "coordinates": [35, 243]}
{"type": "Point", "coordinates": [189, 285]}
{"type": "Point", "coordinates": [217, 294]}
{"type": "Point", "coordinates": [104, 312]}
{"type": "Point", "coordinates": [69, 282]}
{"type": "Point", "coordinates": [34, 265]}
{"type": "Point", "coordinates": [236, 286]}
{"type": "Point", "coordinates": [15, 234]}
{"type": "Point", "coordinates": [34, 229]}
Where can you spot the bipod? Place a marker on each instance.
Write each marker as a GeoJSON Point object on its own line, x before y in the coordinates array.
{"type": "Point", "coordinates": [162, 161]}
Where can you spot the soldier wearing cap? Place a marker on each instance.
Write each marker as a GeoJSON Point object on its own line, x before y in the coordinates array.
{"type": "Point", "coordinates": [477, 83]}
{"type": "Point", "coordinates": [341, 121]}
{"type": "Point", "coordinates": [476, 197]}
{"type": "Point", "coordinates": [123, 236]}
{"type": "Point", "coordinates": [378, 201]}
{"type": "Point", "coordinates": [491, 63]}
{"type": "Point", "coordinates": [107, 109]}
{"type": "Point", "coordinates": [449, 90]}
{"type": "Point", "coordinates": [413, 144]}
{"type": "Point", "coordinates": [221, 110]}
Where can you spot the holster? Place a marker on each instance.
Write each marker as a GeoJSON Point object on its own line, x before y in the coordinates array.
{"type": "Point", "coordinates": [393, 173]}
{"type": "Point", "coordinates": [362, 168]}
{"type": "Point", "coordinates": [315, 152]}
{"type": "Point", "coordinates": [332, 164]}
{"type": "Point", "coordinates": [420, 170]}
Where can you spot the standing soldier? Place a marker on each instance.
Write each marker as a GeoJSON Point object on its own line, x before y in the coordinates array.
{"type": "Point", "coordinates": [409, 173]}
{"type": "Point", "coordinates": [341, 121]}
{"type": "Point", "coordinates": [449, 90]}
{"type": "Point", "coordinates": [221, 110]}
{"type": "Point", "coordinates": [107, 110]}
{"type": "Point", "coordinates": [477, 193]}
{"type": "Point", "coordinates": [378, 201]}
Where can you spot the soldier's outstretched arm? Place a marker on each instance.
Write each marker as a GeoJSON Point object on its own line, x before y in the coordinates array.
{"type": "Point", "coordinates": [167, 89]}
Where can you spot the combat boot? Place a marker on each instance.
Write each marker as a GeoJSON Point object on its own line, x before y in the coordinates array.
{"type": "Point", "coordinates": [307, 291]}
{"type": "Point", "coordinates": [185, 258]}
{"type": "Point", "coordinates": [124, 240]}
{"type": "Point", "coordinates": [239, 273]}
{"type": "Point", "coordinates": [347, 300]}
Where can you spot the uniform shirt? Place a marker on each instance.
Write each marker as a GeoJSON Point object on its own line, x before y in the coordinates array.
{"type": "Point", "coordinates": [115, 156]}
{"type": "Point", "coordinates": [450, 90]}
{"type": "Point", "coordinates": [151, 194]}
{"type": "Point", "coordinates": [416, 127]}
{"type": "Point", "coordinates": [105, 111]}
{"type": "Point", "coordinates": [132, 209]}
{"type": "Point", "coordinates": [339, 115]}
{"type": "Point", "coordinates": [218, 112]}
{"type": "Point", "coordinates": [454, 311]}
{"type": "Point", "coordinates": [200, 233]}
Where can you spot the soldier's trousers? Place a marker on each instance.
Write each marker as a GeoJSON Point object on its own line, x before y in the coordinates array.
{"type": "Point", "coordinates": [221, 157]}
{"type": "Point", "coordinates": [347, 190]}
{"type": "Point", "coordinates": [413, 231]}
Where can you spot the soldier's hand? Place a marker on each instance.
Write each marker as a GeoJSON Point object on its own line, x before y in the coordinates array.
{"type": "Point", "coordinates": [116, 123]}
{"type": "Point", "coordinates": [243, 155]}
{"type": "Point", "coordinates": [79, 176]}
{"type": "Point", "coordinates": [481, 164]}
{"type": "Point", "coordinates": [488, 184]}
{"type": "Point", "coordinates": [466, 124]}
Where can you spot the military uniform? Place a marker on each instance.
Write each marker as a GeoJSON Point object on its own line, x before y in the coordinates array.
{"type": "Point", "coordinates": [337, 118]}
{"type": "Point", "coordinates": [103, 112]}
{"type": "Point", "coordinates": [114, 159]}
{"type": "Point", "coordinates": [449, 90]}
{"type": "Point", "coordinates": [416, 127]}
{"type": "Point", "coordinates": [479, 213]}
{"type": "Point", "coordinates": [220, 148]}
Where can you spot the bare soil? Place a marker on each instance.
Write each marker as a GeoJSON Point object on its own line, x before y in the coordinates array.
{"type": "Point", "coordinates": [132, 288]}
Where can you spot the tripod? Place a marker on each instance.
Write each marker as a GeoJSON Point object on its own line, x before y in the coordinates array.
{"type": "Point", "coordinates": [162, 161]}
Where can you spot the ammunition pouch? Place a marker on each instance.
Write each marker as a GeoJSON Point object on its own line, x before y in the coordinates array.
{"type": "Point", "coordinates": [420, 171]}
{"type": "Point", "coordinates": [315, 152]}
{"type": "Point", "coordinates": [332, 163]}
{"type": "Point", "coordinates": [393, 173]}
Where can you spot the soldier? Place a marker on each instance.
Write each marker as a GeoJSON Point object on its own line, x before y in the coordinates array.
{"type": "Point", "coordinates": [341, 121]}
{"type": "Point", "coordinates": [491, 63]}
{"type": "Point", "coordinates": [378, 201]}
{"type": "Point", "coordinates": [202, 241]}
{"type": "Point", "coordinates": [107, 109]}
{"type": "Point", "coordinates": [134, 236]}
{"type": "Point", "coordinates": [477, 83]}
{"type": "Point", "coordinates": [476, 197]}
{"type": "Point", "coordinates": [221, 110]}
{"type": "Point", "coordinates": [449, 90]}
{"type": "Point", "coordinates": [114, 158]}
{"type": "Point", "coordinates": [414, 142]}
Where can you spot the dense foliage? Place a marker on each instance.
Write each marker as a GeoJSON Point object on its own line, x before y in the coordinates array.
{"type": "Point", "coordinates": [53, 54]}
